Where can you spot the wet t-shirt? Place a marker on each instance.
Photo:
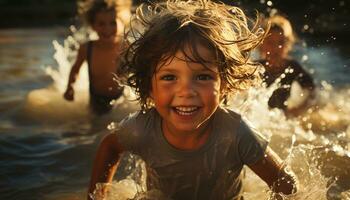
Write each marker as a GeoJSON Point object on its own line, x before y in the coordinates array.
{"type": "Point", "coordinates": [293, 72]}
{"type": "Point", "coordinates": [210, 172]}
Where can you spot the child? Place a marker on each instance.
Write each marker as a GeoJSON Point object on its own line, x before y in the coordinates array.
{"type": "Point", "coordinates": [101, 56]}
{"type": "Point", "coordinates": [274, 53]}
{"type": "Point", "coordinates": [190, 55]}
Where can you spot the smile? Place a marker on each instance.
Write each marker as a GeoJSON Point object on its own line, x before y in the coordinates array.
{"type": "Point", "coordinates": [188, 110]}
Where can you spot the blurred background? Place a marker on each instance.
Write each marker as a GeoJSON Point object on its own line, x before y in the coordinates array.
{"type": "Point", "coordinates": [47, 145]}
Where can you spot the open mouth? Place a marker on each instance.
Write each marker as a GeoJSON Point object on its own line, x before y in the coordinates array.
{"type": "Point", "coordinates": [185, 110]}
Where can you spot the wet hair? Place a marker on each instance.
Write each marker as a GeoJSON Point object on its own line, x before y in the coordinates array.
{"type": "Point", "coordinates": [89, 9]}
{"type": "Point", "coordinates": [160, 30]}
{"type": "Point", "coordinates": [282, 24]}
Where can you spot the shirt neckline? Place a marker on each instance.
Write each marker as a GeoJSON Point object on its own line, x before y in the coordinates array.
{"type": "Point", "coordinates": [184, 153]}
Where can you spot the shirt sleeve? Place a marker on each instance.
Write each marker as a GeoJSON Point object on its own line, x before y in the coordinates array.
{"type": "Point", "coordinates": [251, 144]}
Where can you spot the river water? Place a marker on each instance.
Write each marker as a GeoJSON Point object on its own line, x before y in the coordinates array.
{"type": "Point", "coordinates": [47, 145]}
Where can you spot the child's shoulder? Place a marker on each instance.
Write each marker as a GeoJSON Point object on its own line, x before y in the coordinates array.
{"type": "Point", "coordinates": [138, 120]}
{"type": "Point", "coordinates": [236, 127]}
{"type": "Point", "coordinates": [228, 113]}
{"type": "Point", "coordinates": [227, 117]}
{"type": "Point", "coordinates": [132, 130]}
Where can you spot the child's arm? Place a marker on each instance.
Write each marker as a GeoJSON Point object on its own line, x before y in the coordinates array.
{"type": "Point", "coordinates": [105, 162]}
{"type": "Point", "coordinates": [274, 173]}
{"type": "Point", "coordinates": [69, 93]}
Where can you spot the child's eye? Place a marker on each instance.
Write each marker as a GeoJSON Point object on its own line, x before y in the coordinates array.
{"type": "Point", "coordinates": [204, 77]}
{"type": "Point", "coordinates": [168, 77]}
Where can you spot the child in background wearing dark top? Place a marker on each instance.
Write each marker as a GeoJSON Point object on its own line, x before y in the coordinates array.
{"type": "Point", "coordinates": [190, 56]}
{"type": "Point", "coordinates": [278, 65]}
{"type": "Point", "coordinates": [102, 56]}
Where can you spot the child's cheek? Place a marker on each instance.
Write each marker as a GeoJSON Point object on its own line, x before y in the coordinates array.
{"type": "Point", "coordinates": [166, 87]}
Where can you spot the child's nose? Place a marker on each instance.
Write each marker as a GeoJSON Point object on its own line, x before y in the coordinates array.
{"type": "Point", "coordinates": [186, 89]}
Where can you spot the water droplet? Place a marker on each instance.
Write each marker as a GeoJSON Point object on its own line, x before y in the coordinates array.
{"type": "Point", "coordinates": [269, 3]}
{"type": "Point", "coordinates": [111, 126]}
{"type": "Point", "coordinates": [309, 125]}
{"type": "Point", "coordinates": [112, 102]}
{"type": "Point", "coordinates": [304, 58]}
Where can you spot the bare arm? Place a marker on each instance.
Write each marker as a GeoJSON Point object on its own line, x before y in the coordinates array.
{"type": "Point", "coordinates": [69, 93]}
{"type": "Point", "coordinates": [105, 162]}
{"type": "Point", "coordinates": [273, 172]}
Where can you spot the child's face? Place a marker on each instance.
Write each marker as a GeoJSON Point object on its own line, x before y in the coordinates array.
{"type": "Point", "coordinates": [186, 94]}
{"type": "Point", "coordinates": [273, 45]}
{"type": "Point", "coordinates": [105, 25]}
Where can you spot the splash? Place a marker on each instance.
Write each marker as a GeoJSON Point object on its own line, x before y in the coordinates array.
{"type": "Point", "coordinates": [315, 144]}
{"type": "Point", "coordinates": [133, 185]}
{"type": "Point", "coordinates": [65, 55]}
{"type": "Point", "coordinates": [47, 105]}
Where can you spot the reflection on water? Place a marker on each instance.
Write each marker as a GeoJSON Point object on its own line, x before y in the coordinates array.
{"type": "Point", "coordinates": [47, 144]}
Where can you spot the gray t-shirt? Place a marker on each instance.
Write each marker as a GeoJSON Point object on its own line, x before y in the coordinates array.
{"type": "Point", "coordinates": [210, 172]}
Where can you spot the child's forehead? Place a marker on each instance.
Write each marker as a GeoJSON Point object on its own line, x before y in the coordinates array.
{"type": "Point", "coordinates": [201, 49]}
{"type": "Point", "coordinates": [194, 51]}
{"type": "Point", "coordinates": [187, 57]}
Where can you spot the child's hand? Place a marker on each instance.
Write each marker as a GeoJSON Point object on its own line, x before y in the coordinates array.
{"type": "Point", "coordinates": [69, 94]}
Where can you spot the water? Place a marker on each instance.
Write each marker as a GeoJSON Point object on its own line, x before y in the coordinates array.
{"type": "Point", "coordinates": [47, 145]}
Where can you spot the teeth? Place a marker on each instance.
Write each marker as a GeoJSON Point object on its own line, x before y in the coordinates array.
{"type": "Point", "coordinates": [181, 110]}
{"type": "Point", "coordinates": [186, 109]}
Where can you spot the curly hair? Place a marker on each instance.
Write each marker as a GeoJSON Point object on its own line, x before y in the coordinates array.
{"type": "Point", "coordinates": [160, 30]}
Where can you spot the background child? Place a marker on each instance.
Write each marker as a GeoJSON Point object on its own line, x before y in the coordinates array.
{"type": "Point", "coordinates": [191, 55]}
{"type": "Point", "coordinates": [102, 56]}
{"type": "Point", "coordinates": [274, 53]}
